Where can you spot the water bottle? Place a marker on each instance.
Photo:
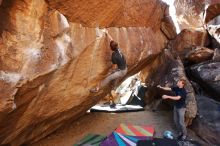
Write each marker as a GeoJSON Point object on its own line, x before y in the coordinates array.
{"type": "Point", "coordinates": [168, 134]}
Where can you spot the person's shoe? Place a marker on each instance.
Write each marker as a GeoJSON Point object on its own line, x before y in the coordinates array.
{"type": "Point", "coordinates": [183, 137]}
{"type": "Point", "coordinates": [113, 105]}
{"type": "Point", "coordinates": [153, 110]}
{"type": "Point", "coordinates": [179, 136]}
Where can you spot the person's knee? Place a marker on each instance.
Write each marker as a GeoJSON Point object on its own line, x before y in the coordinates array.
{"type": "Point", "coordinates": [181, 120]}
{"type": "Point", "coordinates": [106, 80]}
{"type": "Point", "coordinates": [175, 118]}
{"type": "Point", "coordinates": [182, 124]}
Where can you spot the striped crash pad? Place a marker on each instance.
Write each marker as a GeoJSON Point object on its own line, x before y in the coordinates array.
{"type": "Point", "coordinates": [117, 139]}
{"type": "Point", "coordinates": [128, 135]}
{"type": "Point", "coordinates": [90, 140]}
{"type": "Point", "coordinates": [134, 130]}
{"type": "Point", "coordinates": [118, 108]}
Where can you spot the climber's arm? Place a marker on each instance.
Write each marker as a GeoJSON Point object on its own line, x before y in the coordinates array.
{"type": "Point", "coordinates": [109, 36]}
{"type": "Point", "coordinates": [165, 88]}
{"type": "Point", "coordinates": [171, 97]}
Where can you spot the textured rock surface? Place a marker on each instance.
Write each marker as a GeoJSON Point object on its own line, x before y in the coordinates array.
{"type": "Point", "coordinates": [212, 11]}
{"type": "Point", "coordinates": [194, 14]}
{"type": "Point", "coordinates": [214, 31]}
{"type": "Point", "coordinates": [216, 56]}
{"type": "Point", "coordinates": [20, 44]}
{"type": "Point", "coordinates": [200, 54]}
{"type": "Point", "coordinates": [187, 40]}
{"type": "Point", "coordinates": [207, 74]}
{"type": "Point", "coordinates": [116, 13]}
{"type": "Point", "coordinates": [206, 124]}
{"type": "Point", "coordinates": [213, 43]}
{"type": "Point", "coordinates": [48, 64]}
{"type": "Point", "coordinates": [168, 26]}
{"type": "Point", "coordinates": [167, 74]}
{"type": "Point", "coordinates": [190, 13]}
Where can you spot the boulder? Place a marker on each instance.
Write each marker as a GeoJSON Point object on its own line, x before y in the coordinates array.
{"type": "Point", "coordinates": [48, 63]}
{"type": "Point", "coordinates": [194, 14]}
{"type": "Point", "coordinates": [216, 56]}
{"type": "Point", "coordinates": [213, 43]}
{"type": "Point", "coordinates": [167, 73]}
{"type": "Point", "coordinates": [186, 41]}
{"type": "Point", "coordinates": [214, 31]}
{"type": "Point", "coordinates": [197, 88]}
{"type": "Point", "coordinates": [200, 54]}
{"type": "Point", "coordinates": [114, 13]}
{"type": "Point", "coordinates": [212, 11]}
{"type": "Point", "coordinates": [207, 124]}
{"type": "Point", "coordinates": [207, 74]}
{"type": "Point", "coordinates": [189, 13]}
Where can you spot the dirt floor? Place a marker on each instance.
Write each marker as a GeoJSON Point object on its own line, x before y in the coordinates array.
{"type": "Point", "coordinates": [105, 123]}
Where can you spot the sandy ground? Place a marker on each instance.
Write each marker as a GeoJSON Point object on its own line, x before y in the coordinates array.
{"type": "Point", "coordinates": [105, 123]}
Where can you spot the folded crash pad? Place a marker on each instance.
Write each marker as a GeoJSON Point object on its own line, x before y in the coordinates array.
{"type": "Point", "coordinates": [116, 109]}
{"type": "Point", "coordinates": [117, 139]}
{"type": "Point", "coordinates": [128, 135]}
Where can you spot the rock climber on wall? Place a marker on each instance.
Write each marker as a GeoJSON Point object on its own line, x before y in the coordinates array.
{"type": "Point", "coordinates": [119, 66]}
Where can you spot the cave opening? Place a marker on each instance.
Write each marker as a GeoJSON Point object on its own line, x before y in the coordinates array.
{"type": "Point", "coordinates": [172, 12]}
{"type": "Point", "coordinates": [126, 97]}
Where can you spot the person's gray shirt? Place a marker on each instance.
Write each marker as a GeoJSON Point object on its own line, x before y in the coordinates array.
{"type": "Point", "coordinates": [119, 59]}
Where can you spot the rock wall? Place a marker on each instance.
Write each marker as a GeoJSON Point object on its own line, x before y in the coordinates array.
{"type": "Point", "coordinates": [207, 74]}
{"type": "Point", "coordinates": [48, 63]}
{"type": "Point", "coordinates": [115, 13]}
{"type": "Point", "coordinates": [187, 40]}
{"type": "Point", "coordinates": [212, 11]}
{"type": "Point", "coordinates": [53, 52]}
{"type": "Point", "coordinates": [190, 13]}
{"type": "Point", "coordinates": [206, 125]}
{"type": "Point", "coordinates": [200, 54]}
{"type": "Point", "coordinates": [195, 14]}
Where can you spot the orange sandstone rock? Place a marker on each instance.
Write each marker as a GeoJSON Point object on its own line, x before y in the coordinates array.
{"type": "Point", "coordinates": [48, 63]}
